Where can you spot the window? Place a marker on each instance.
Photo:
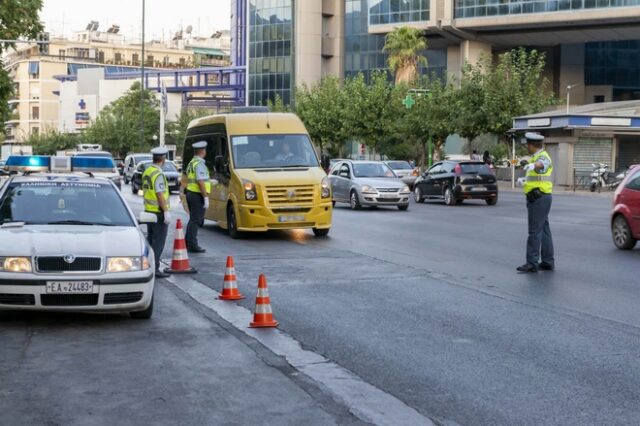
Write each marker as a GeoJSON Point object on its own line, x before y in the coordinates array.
{"type": "Point", "coordinates": [344, 170]}
{"type": "Point", "coordinates": [35, 113]}
{"type": "Point", "coordinates": [118, 58]}
{"type": "Point", "coordinates": [598, 99]}
{"type": "Point", "coordinates": [435, 169]}
{"type": "Point", "coordinates": [34, 70]}
{"type": "Point", "coordinates": [400, 165]}
{"type": "Point", "coordinates": [135, 59]}
{"type": "Point", "coordinates": [372, 170]}
{"type": "Point", "coordinates": [62, 53]}
{"type": "Point", "coordinates": [634, 182]}
{"type": "Point", "coordinates": [100, 56]}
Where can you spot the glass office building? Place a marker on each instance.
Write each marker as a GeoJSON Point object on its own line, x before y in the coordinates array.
{"type": "Point", "coordinates": [616, 64]}
{"type": "Point", "coordinates": [382, 12]}
{"type": "Point", "coordinates": [480, 8]}
{"type": "Point", "coordinates": [363, 51]}
{"type": "Point", "coordinates": [270, 50]}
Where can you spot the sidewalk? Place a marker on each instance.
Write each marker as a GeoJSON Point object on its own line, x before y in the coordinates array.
{"type": "Point", "coordinates": [506, 187]}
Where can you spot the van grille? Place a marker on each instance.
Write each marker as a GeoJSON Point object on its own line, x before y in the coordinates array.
{"type": "Point", "coordinates": [290, 194]}
{"type": "Point", "coordinates": [58, 264]}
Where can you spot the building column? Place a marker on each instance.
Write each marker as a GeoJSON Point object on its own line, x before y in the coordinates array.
{"type": "Point", "coordinates": [572, 73]}
{"type": "Point", "coordinates": [468, 51]}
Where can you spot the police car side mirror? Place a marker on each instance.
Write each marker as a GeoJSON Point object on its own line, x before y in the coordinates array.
{"type": "Point", "coordinates": [146, 217]}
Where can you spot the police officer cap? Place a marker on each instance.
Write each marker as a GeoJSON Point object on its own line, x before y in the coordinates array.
{"type": "Point", "coordinates": [200, 145]}
{"type": "Point", "coordinates": [159, 151]}
{"type": "Point", "coordinates": [534, 138]}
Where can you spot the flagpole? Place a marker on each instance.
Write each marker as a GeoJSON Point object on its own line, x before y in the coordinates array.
{"type": "Point", "coordinates": [163, 111]}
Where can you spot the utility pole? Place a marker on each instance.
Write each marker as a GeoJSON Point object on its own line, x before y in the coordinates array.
{"type": "Point", "coordinates": [142, 59]}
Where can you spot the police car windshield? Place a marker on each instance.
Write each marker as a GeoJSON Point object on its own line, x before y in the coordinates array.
{"type": "Point", "coordinates": [273, 151]}
{"type": "Point", "coordinates": [64, 202]}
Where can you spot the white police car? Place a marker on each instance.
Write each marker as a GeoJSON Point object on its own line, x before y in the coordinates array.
{"type": "Point", "coordinates": [69, 241]}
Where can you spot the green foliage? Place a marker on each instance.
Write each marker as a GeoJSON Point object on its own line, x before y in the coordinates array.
{"type": "Point", "coordinates": [405, 46]}
{"type": "Point", "coordinates": [18, 18]}
{"type": "Point", "coordinates": [278, 105]}
{"type": "Point", "coordinates": [178, 129]}
{"type": "Point", "coordinates": [117, 127]}
{"type": "Point", "coordinates": [50, 142]}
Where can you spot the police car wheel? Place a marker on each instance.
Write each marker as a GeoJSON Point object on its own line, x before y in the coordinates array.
{"type": "Point", "coordinates": [134, 188]}
{"type": "Point", "coordinates": [146, 314]}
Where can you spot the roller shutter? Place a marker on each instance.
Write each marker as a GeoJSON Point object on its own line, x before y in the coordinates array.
{"type": "Point", "coordinates": [629, 153]}
{"type": "Point", "coordinates": [592, 151]}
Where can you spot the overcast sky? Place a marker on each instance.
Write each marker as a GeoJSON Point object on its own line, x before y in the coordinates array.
{"type": "Point", "coordinates": [163, 16]}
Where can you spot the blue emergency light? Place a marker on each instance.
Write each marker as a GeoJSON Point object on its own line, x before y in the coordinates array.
{"type": "Point", "coordinates": [43, 163]}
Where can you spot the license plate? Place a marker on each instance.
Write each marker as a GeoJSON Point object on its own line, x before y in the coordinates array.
{"type": "Point", "coordinates": [478, 189]}
{"type": "Point", "coordinates": [69, 287]}
{"type": "Point", "coordinates": [389, 195]}
{"type": "Point", "coordinates": [285, 219]}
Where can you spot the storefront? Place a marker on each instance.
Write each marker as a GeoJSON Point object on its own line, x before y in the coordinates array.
{"type": "Point", "coordinates": [606, 133]}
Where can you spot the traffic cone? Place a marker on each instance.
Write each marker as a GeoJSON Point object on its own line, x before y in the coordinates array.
{"type": "Point", "coordinates": [263, 316]}
{"type": "Point", "coordinates": [180, 260]}
{"type": "Point", "coordinates": [230, 287]}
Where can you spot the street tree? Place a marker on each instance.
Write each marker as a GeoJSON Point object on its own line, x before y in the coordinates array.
{"type": "Point", "coordinates": [117, 127]}
{"type": "Point", "coordinates": [405, 46]}
{"type": "Point", "coordinates": [18, 19]}
{"type": "Point", "coordinates": [49, 142]}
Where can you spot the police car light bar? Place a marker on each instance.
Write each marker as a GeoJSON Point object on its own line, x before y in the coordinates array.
{"type": "Point", "coordinates": [42, 163]}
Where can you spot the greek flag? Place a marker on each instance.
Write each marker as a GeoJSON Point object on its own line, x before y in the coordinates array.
{"type": "Point", "coordinates": [163, 98]}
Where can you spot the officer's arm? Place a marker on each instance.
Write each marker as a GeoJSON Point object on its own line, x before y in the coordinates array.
{"type": "Point", "coordinates": [203, 188]}
{"type": "Point", "coordinates": [162, 201]}
{"type": "Point", "coordinates": [539, 165]}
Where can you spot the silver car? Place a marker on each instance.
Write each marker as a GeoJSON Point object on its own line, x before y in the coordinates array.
{"type": "Point", "coordinates": [404, 171]}
{"type": "Point", "coordinates": [368, 183]}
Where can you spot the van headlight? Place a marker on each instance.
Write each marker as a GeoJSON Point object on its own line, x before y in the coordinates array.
{"type": "Point", "coordinates": [250, 192]}
{"type": "Point", "coordinates": [127, 264]}
{"type": "Point", "coordinates": [325, 187]}
{"type": "Point", "coordinates": [15, 264]}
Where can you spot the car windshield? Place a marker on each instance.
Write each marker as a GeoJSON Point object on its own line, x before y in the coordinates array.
{"type": "Point", "coordinates": [479, 168]}
{"type": "Point", "coordinates": [67, 201]}
{"type": "Point", "coordinates": [273, 151]}
{"type": "Point", "coordinates": [371, 170]}
{"type": "Point", "coordinates": [400, 165]}
{"type": "Point", "coordinates": [167, 167]}
{"type": "Point", "coordinates": [139, 158]}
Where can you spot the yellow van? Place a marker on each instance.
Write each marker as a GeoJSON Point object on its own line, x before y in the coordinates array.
{"type": "Point", "coordinates": [265, 173]}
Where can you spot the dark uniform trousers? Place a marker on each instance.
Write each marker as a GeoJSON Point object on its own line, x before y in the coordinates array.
{"type": "Point", "coordinates": [156, 236]}
{"type": "Point", "coordinates": [540, 240]}
{"type": "Point", "coordinates": [195, 201]}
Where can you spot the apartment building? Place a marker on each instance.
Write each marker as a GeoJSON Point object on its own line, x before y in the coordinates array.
{"type": "Point", "coordinates": [36, 101]}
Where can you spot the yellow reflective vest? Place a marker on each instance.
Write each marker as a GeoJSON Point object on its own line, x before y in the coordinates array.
{"type": "Point", "coordinates": [151, 203]}
{"type": "Point", "coordinates": [192, 178]}
{"type": "Point", "coordinates": [541, 181]}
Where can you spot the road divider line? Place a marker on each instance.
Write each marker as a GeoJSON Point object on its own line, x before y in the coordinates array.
{"type": "Point", "coordinates": [364, 400]}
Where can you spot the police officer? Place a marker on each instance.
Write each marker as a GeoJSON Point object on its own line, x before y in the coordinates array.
{"type": "Point", "coordinates": [156, 200]}
{"type": "Point", "coordinates": [538, 188]}
{"type": "Point", "coordinates": [198, 190]}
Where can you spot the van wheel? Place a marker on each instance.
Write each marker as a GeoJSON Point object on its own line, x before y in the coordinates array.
{"type": "Point", "coordinates": [320, 232]}
{"type": "Point", "coordinates": [232, 222]}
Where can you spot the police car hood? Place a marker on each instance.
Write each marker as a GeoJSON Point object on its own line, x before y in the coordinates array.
{"type": "Point", "coordinates": [59, 240]}
{"type": "Point", "coordinates": [283, 176]}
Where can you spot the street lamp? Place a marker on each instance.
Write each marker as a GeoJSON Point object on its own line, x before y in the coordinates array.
{"type": "Point", "coordinates": [569, 87]}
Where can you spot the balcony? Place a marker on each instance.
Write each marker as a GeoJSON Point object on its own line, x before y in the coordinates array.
{"type": "Point", "coordinates": [328, 7]}
{"type": "Point", "coordinates": [328, 46]}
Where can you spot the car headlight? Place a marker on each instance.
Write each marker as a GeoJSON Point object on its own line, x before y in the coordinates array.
{"type": "Point", "coordinates": [366, 189]}
{"type": "Point", "coordinates": [127, 264]}
{"type": "Point", "coordinates": [15, 264]}
{"type": "Point", "coordinates": [250, 193]}
{"type": "Point", "coordinates": [405, 189]}
{"type": "Point", "coordinates": [325, 187]}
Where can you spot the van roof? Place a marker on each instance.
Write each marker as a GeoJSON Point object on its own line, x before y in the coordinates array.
{"type": "Point", "coordinates": [254, 123]}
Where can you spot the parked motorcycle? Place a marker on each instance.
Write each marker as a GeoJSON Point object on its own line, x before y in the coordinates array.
{"type": "Point", "coordinates": [601, 177]}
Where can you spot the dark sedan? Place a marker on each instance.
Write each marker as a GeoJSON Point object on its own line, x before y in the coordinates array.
{"type": "Point", "coordinates": [455, 181]}
{"type": "Point", "coordinates": [170, 171]}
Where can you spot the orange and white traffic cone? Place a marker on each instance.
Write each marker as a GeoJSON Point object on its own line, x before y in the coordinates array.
{"type": "Point", "coordinates": [230, 286]}
{"type": "Point", "coordinates": [180, 260]}
{"type": "Point", "coordinates": [263, 316]}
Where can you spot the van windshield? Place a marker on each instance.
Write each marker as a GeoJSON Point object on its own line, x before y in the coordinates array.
{"type": "Point", "coordinates": [273, 151]}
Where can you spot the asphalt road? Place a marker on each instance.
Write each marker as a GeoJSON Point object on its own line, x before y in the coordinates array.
{"type": "Point", "coordinates": [427, 306]}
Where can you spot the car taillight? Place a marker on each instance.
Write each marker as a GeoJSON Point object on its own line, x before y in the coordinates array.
{"type": "Point", "coordinates": [457, 169]}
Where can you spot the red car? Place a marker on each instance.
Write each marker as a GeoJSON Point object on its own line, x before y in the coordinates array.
{"type": "Point", "coordinates": [625, 219]}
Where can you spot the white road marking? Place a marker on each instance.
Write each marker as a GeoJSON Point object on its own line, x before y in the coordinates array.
{"type": "Point", "coordinates": [364, 400]}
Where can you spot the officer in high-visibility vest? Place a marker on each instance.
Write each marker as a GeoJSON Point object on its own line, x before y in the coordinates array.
{"type": "Point", "coordinates": [198, 190]}
{"type": "Point", "coordinates": [156, 200]}
{"type": "Point", "coordinates": [538, 188]}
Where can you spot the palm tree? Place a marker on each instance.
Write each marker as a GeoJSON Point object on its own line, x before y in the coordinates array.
{"type": "Point", "coordinates": [405, 46]}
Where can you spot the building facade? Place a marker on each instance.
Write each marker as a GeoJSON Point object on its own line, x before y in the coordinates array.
{"type": "Point", "coordinates": [36, 102]}
{"type": "Point", "coordinates": [593, 46]}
